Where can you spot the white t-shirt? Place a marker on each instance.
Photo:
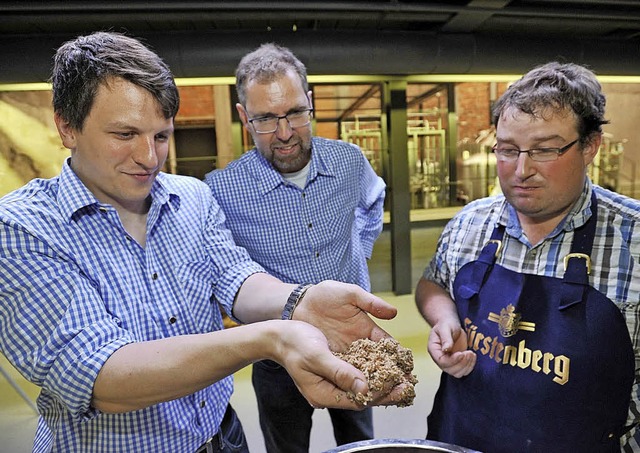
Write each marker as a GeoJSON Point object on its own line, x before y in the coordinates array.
{"type": "Point", "coordinates": [299, 178]}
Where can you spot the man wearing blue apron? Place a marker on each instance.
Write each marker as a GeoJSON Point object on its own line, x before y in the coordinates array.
{"type": "Point", "coordinates": [533, 295]}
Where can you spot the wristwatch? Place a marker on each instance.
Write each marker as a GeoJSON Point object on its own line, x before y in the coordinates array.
{"type": "Point", "coordinates": [294, 299]}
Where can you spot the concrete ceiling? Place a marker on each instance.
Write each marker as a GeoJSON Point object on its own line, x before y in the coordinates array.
{"type": "Point", "coordinates": [207, 38]}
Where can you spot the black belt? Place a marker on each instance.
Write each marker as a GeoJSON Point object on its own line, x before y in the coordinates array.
{"type": "Point", "coordinates": [209, 446]}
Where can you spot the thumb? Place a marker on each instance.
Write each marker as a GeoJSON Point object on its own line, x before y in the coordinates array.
{"type": "Point", "coordinates": [446, 339]}
{"type": "Point", "coordinates": [348, 378]}
{"type": "Point", "coordinates": [376, 306]}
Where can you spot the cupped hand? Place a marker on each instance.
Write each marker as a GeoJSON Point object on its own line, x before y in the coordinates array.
{"type": "Point", "coordinates": [324, 379]}
{"type": "Point", "coordinates": [341, 311]}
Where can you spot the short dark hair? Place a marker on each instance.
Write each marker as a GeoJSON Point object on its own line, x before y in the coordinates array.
{"type": "Point", "coordinates": [554, 87]}
{"type": "Point", "coordinates": [265, 64]}
{"type": "Point", "coordinates": [81, 65]}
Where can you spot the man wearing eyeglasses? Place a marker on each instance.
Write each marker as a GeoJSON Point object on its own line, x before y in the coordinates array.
{"type": "Point", "coordinates": [533, 294]}
{"type": "Point", "coordinates": [307, 209]}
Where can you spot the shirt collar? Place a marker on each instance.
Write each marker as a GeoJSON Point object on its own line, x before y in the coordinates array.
{"type": "Point", "coordinates": [73, 196]}
{"type": "Point", "coordinates": [580, 212]}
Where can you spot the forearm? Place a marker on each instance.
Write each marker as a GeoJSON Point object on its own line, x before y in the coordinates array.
{"type": "Point", "coordinates": [142, 374]}
{"type": "Point", "coordinates": [433, 302]}
{"type": "Point", "coordinates": [261, 297]}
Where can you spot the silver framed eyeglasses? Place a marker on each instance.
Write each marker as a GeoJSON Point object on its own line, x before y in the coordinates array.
{"type": "Point", "coordinates": [536, 154]}
{"type": "Point", "coordinates": [269, 124]}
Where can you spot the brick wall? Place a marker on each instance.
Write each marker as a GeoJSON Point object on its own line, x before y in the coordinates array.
{"type": "Point", "coordinates": [473, 105]}
{"type": "Point", "coordinates": [196, 103]}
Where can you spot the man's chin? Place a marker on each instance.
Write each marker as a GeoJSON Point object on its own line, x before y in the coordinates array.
{"type": "Point", "coordinates": [289, 165]}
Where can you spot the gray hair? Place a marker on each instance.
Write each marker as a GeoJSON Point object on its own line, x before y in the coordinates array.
{"type": "Point", "coordinates": [265, 64]}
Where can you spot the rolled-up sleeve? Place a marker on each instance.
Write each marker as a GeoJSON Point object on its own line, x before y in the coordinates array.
{"type": "Point", "coordinates": [370, 210]}
{"type": "Point", "coordinates": [231, 264]}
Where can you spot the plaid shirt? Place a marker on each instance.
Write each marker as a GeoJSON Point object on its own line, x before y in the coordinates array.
{"type": "Point", "coordinates": [325, 231]}
{"type": "Point", "coordinates": [615, 258]}
{"type": "Point", "coordinates": [75, 287]}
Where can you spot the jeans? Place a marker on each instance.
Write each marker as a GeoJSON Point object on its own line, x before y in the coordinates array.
{"type": "Point", "coordinates": [230, 437]}
{"type": "Point", "coordinates": [285, 415]}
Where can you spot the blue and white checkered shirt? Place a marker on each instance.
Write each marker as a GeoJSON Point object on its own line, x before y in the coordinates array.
{"type": "Point", "coordinates": [75, 287]}
{"type": "Point", "coordinates": [615, 258]}
{"type": "Point", "coordinates": [325, 231]}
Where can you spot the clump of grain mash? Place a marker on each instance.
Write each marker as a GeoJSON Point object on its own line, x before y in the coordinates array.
{"type": "Point", "coordinates": [385, 363]}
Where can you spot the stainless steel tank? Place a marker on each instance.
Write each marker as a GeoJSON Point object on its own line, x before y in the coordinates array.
{"type": "Point", "coordinates": [399, 446]}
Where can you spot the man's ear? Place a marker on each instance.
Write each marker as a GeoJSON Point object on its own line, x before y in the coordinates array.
{"type": "Point", "coordinates": [243, 115]}
{"type": "Point", "coordinates": [310, 97]}
{"type": "Point", "coordinates": [66, 132]}
{"type": "Point", "coordinates": [590, 150]}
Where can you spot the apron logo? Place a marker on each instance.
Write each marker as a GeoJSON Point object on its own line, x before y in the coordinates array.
{"type": "Point", "coordinates": [516, 355]}
{"type": "Point", "coordinates": [509, 322]}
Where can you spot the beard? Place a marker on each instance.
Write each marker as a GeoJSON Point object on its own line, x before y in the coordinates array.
{"type": "Point", "coordinates": [289, 163]}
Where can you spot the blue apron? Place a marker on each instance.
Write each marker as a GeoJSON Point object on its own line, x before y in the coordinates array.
{"type": "Point", "coordinates": [555, 364]}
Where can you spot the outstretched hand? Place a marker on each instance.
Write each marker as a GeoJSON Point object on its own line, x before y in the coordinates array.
{"type": "Point", "coordinates": [341, 311]}
{"type": "Point", "coordinates": [324, 379]}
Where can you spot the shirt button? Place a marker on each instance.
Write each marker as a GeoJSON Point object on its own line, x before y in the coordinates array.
{"type": "Point", "coordinates": [101, 209]}
{"type": "Point", "coordinates": [317, 254]}
{"type": "Point", "coordinates": [155, 276]}
{"type": "Point", "coordinates": [203, 404]}
{"type": "Point", "coordinates": [172, 320]}
{"type": "Point", "coordinates": [128, 238]}
{"type": "Point", "coordinates": [310, 225]}
{"type": "Point", "coordinates": [304, 194]}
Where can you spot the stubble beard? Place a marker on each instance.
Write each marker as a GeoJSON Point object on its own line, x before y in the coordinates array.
{"type": "Point", "coordinates": [290, 164]}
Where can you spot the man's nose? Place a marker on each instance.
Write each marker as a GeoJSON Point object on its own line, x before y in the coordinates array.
{"type": "Point", "coordinates": [146, 154]}
{"type": "Point", "coordinates": [525, 166]}
{"type": "Point", "coordinates": [284, 130]}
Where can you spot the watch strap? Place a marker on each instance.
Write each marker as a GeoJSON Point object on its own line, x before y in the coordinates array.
{"type": "Point", "coordinates": [294, 299]}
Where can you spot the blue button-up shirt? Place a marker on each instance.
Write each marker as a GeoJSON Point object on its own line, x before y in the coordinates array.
{"type": "Point", "coordinates": [75, 287]}
{"type": "Point", "coordinates": [324, 231]}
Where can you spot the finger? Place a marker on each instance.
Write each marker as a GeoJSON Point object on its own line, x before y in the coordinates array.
{"type": "Point", "coordinates": [470, 363]}
{"type": "Point", "coordinates": [378, 333]}
{"type": "Point", "coordinates": [327, 395]}
{"type": "Point", "coordinates": [343, 382]}
{"type": "Point", "coordinates": [347, 377]}
{"type": "Point", "coordinates": [396, 395]}
{"type": "Point", "coordinates": [440, 342]}
{"type": "Point", "coordinates": [464, 366]}
{"type": "Point", "coordinates": [375, 306]}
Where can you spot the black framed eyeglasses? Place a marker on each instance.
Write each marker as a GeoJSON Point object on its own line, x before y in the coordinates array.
{"type": "Point", "coordinates": [536, 154]}
{"type": "Point", "coordinates": [269, 124]}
